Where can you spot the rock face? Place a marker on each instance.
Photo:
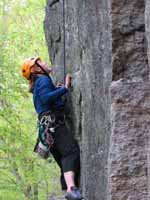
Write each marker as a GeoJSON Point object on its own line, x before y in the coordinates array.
{"type": "Point", "coordinates": [129, 49]}
{"type": "Point", "coordinates": [128, 167]}
{"type": "Point", "coordinates": [147, 20]}
{"type": "Point", "coordinates": [106, 52]}
{"type": "Point", "coordinates": [88, 50]}
{"type": "Point", "coordinates": [130, 116]}
{"type": "Point", "coordinates": [130, 108]}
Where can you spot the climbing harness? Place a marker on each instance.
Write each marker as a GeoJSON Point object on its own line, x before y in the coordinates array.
{"type": "Point", "coordinates": [47, 125]}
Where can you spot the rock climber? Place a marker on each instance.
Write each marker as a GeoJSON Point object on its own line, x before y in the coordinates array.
{"type": "Point", "coordinates": [53, 135]}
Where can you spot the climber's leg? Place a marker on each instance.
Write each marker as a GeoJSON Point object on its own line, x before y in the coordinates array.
{"type": "Point", "coordinates": [67, 146]}
{"type": "Point", "coordinates": [73, 193]}
{"type": "Point", "coordinates": [57, 158]}
{"type": "Point", "coordinates": [69, 178]}
{"type": "Point", "coordinates": [69, 150]}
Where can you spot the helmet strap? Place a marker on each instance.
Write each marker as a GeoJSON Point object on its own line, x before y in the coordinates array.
{"type": "Point", "coordinates": [34, 75]}
{"type": "Point", "coordinates": [45, 72]}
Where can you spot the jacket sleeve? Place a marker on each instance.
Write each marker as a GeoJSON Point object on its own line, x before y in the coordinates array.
{"type": "Point", "coordinates": [46, 92]}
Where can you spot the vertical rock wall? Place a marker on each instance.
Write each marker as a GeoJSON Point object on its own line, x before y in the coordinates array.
{"type": "Point", "coordinates": [106, 50]}
{"type": "Point", "coordinates": [129, 47]}
{"type": "Point", "coordinates": [88, 50]}
{"type": "Point", "coordinates": [130, 108]}
{"type": "Point", "coordinates": [147, 23]}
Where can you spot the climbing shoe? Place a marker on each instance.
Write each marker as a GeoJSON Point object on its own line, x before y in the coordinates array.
{"type": "Point", "coordinates": [74, 194]}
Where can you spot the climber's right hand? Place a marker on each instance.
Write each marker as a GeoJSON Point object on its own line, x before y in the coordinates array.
{"type": "Point", "coordinates": [68, 81]}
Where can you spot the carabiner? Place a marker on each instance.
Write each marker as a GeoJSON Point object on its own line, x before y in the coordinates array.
{"type": "Point", "coordinates": [44, 120]}
{"type": "Point", "coordinates": [51, 119]}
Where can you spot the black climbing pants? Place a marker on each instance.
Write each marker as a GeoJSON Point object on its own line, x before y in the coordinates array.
{"type": "Point", "coordinates": [66, 153]}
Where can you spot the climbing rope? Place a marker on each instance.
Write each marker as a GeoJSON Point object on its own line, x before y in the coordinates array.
{"type": "Point", "coordinates": [64, 39]}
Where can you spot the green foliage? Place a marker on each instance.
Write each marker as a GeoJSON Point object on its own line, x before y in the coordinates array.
{"type": "Point", "coordinates": [23, 175]}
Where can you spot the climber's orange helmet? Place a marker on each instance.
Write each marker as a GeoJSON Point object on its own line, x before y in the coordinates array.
{"type": "Point", "coordinates": [27, 65]}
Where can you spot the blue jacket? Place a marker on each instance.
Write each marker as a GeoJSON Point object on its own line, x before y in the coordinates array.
{"type": "Point", "coordinates": [46, 96]}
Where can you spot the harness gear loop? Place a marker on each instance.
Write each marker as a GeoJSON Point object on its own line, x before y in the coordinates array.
{"type": "Point", "coordinates": [47, 120]}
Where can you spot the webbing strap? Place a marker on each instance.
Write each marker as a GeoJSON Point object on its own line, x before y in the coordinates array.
{"type": "Point", "coordinates": [42, 69]}
{"type": "Point", "coordinates": [64, 40]}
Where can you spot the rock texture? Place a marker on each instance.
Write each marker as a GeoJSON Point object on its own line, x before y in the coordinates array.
{"type": "Point", "coordinates": [129, 48]}
{"type": "Point", "coordinates": [106, 50]}
{"type": "Point", "coordinates": [147, 20]}
{"type": "Point", "coordinates": [130, 108]}
{"type": "Point", "coordinates": [88, 50]}
{"type": "Point", "coordinates": [128, 167]}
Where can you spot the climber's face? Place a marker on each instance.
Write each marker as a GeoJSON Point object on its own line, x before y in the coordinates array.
{"type": "Point", "coordinates": [45, 66]}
